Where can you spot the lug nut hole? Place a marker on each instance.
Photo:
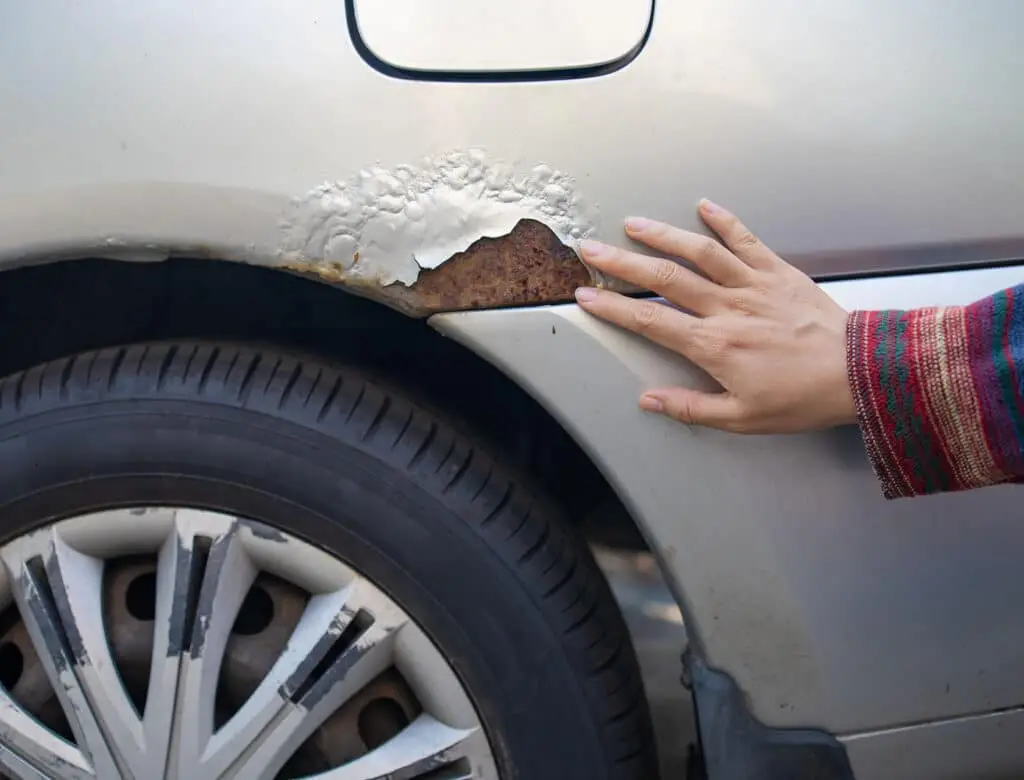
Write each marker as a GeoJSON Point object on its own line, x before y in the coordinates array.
{"type": "Point", "coordinates": [256, 614]}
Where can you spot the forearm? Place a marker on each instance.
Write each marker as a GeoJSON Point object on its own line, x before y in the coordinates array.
{"type": "Point", "coordinates": [939, 393]}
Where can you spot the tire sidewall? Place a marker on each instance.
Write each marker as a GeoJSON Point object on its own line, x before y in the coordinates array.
{"type": "Point", "coordinates": [418, 548]}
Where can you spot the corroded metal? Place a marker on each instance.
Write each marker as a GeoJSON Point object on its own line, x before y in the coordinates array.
{"type": "Point", "coordinates": [529, 266]}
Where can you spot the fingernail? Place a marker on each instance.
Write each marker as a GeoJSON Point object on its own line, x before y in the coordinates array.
{"type": "Point", "coordinates": [585, 294]}
{"type": "Point", "coordinates": [593, 248]}
{"type": "Point", "coordinates": [711, 207]}
{"type": "Point", "coordinates": [637, 224]}
{"type": "Point", "coordinates": [650, 403]}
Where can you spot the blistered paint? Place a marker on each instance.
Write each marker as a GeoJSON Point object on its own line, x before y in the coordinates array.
{"type": "Point", "coordinates": [384, 226]}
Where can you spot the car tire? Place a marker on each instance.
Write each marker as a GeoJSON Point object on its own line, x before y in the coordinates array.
{"type": "Point", "coordinates": [485, 565]}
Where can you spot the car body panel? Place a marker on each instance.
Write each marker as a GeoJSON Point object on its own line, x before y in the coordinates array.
{"type": "Point", "coordinates": [981, 747]}
{"type": "Point", "coordinates": [830, 606]}
{"type": "Point", "coordinates": [141, 220]}
{"type": "Point", "coordinates": [766, 107]}
{"type": "Point", "coordinates": [858, 138]}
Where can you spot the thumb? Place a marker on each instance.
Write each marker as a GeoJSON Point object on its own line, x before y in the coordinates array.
{"type": "Point", "coordinates": [693, 407]}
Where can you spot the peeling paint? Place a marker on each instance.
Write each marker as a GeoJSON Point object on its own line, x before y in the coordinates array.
{"type": "Point", "coordinates": [527, 267]}
{"type": "Point", "coordinates": [263, 531]}
{"type": "Point", "coordinates": [66, 624]}
{"type": "Point", "coordinates": [391, 234]}
{"type": "Point", "coordinates": [302, 679]}
{"type": "Point", "coordinates": [179, 629]}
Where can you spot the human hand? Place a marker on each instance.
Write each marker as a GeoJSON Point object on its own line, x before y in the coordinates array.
{"type": "Point", "coordinates": [762, 329]}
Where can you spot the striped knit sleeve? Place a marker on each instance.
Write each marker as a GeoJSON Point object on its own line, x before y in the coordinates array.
{"type": "Point", "coordinates": [940, 393]}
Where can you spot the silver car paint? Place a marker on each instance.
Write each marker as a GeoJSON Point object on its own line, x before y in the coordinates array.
{"type": "Point", "coordinates": [850, 134]}
{"type": "Point", "coordinates": [855, 136]}
{"type": "Point", "coordinates": [829, 605]}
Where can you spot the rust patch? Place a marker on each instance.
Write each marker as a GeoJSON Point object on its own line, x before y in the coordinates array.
{"type": "Point", "coordinates": [332, 273]}
{"type": "Point", "coordinates": [529, 266]}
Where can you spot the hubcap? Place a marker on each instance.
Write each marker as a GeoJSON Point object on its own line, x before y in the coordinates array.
{"type": "Point", "coordinates": [175, 643]}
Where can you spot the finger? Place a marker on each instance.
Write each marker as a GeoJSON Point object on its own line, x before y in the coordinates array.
{"type": "Point", "coordinates": [744, 244]}
{"type": "Point", "coordinates": [693, 407]}
{"type": "Point", "coordinates": [658, 322]}
{"type": "Point", "coordinates": [706, 253]}
{"type": "Point", "coordinates": [667, 278]}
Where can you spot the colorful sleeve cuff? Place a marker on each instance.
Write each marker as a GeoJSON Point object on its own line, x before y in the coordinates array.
{"type": "Point", "coordinates": [938, 395]}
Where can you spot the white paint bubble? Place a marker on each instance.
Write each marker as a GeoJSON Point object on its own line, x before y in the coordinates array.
{"type": "Point", "coordinates": [414, 217]}
{"type": "Point", "coordinates": [341, 250]}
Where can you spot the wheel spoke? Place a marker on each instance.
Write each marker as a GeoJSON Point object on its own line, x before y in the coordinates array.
{"type": "Point", "coordinates": [77, 583]}
{"type": "Point", "coordinates": [321, 624]}
{"type": "Point", "coordinates": [228, 575]}
{"type": "Point", "coordinates": [425, 746]}
{"type": "Point", "coordinates": [181, 563]}
{"type": "Point", "coordinates": [27, 748]}
{"type": "Point", "coordinates": [58, 592]}
{"type": "Point", "coordinates": [357, 646]}
{"type": "Point", "coordinates": [17, 767]}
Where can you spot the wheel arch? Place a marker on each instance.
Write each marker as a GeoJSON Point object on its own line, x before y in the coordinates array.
{"type": "Point", "coordinates": [52, 306]}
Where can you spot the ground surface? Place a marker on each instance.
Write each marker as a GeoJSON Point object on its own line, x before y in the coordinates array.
{"type": "Point", "coordinates": [659, 636]}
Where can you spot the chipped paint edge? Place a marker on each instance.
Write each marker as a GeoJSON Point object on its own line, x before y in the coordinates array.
{"type": "Point", "coordinates": [384, 226]}
{"type": "Point", "coordinates": [151, 221]}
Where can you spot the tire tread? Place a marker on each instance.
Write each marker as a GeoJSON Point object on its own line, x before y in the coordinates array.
{"type": "Point", "coordinates": [517, 521]}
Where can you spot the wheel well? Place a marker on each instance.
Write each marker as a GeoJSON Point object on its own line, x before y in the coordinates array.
{"type": "Point", "coordinates": [48, 311]}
